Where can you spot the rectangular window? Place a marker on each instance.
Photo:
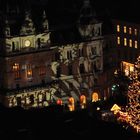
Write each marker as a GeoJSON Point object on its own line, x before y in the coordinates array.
{"type": "Point", "coordinates": [69, 55]}
{"type": "Point", "coordinates": [42, 70]}
{"type": "Point", "coordinates": [135, 32]}
{"type": "Point", "coordinates": [16, 70]}
{"type": "Point", "coordinates": [125, 42]}
{"type": "Point", "coordinates": [136, 44]}
{"type": "Point", "coordinates": [118, 40]}
{"type": "Point", "coordinates": [81, 52]}
{"type": "Point", "coordinates": [29, 71]}
{"type": "Point", "coordinates": [70, 72]}
{"type": "Point", "coordinates": [130, 42]}
{"type": "Point", "coordinates": [118, 28]}
{"type": "Point", "coordinates": [124, 29]}
{"type": "Point", "coordinates": [130, 30]}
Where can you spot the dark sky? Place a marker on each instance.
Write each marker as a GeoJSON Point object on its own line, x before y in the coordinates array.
{"type": "Point", "coordinates": [116, 8]}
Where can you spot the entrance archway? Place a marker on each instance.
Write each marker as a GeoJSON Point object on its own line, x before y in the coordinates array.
{"type": "Point", "coordinates": [71, 104]}
{"type": "Point", "coordinates": [83, 101]}
{"type": "Point", "coordinates": [95, 97]}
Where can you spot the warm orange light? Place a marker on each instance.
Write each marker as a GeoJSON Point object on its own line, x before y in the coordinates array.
{"type": "Point", "coordinates": [71, 104]}
{"type": "Point", "coordinates": [29, 73]}
{"type": "Point", "coordinates": [83, 101]}
{"type": "Point", "coordinates": [95, 97]}
{"type": "Point", "coordinates": [16, 67]}
{"type": "Point", "coordinates": [127, 67]}
{"type": "Point", "coordinates": [71, 100]}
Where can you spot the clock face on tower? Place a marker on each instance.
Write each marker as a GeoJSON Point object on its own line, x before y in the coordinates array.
{"type": "Point", "coordinates": [27, 43]}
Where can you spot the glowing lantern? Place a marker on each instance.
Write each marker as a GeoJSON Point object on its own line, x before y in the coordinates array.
{"type": "Point", "coordinates": [59, 102]}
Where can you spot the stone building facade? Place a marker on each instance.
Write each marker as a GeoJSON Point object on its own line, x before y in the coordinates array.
{"type": "Point", "coordinates": [37, 73]}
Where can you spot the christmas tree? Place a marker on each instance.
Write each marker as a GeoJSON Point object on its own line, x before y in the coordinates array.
{"type": "Point", "coordinates": [133, 107]}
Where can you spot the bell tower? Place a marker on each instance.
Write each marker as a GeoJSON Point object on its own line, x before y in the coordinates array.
{"type": "Point", "coordinates": [87, 10]}
{"type": "Point", "coordinates": [28, 25]}
{"type": "Point", "coordinates": [87, 23]}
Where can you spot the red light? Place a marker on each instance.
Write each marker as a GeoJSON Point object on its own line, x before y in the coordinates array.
{"type": "Point", "coordinates": [59, 102]}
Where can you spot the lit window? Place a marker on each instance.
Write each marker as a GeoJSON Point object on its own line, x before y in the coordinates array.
{"type": "Point", "coordinates": [130, 30]}
{"type": "Point", "coordinates": [118, 28]}
{"type": "Point", "coordinates": [135, 31]}
{"type": "Point", "coordinates": [130, 42]}
{"type": "Point", "coordinates": [128, 68]}
{"type": "Point", "coordinates": [124, 29]}
{"type": "Point", "coordinates": [16, 70]}
{"type": "Point", "coordinates": [118, 40]}
{"type": "Point", "coordinates": [125, 42]}
{"type": "Point", "coordinates": [136, 44]}
{"type": "Point", "coordinates": [29, 71]}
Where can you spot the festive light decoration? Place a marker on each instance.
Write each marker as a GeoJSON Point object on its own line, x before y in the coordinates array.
{"type": "Point", "coordinates": [133, 107]}
{"type": "Point", "coordinates": [59, 102]}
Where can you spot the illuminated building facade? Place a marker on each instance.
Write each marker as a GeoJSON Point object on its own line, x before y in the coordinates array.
{"type": "Point", "coordinates": [38, 72]}
{"type": "Point", "coordinates": [128, 44]}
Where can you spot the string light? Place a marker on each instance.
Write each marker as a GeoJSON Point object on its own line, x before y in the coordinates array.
{"type": "Point", "coordinates": [133, 107]}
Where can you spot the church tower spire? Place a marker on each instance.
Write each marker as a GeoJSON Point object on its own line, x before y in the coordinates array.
{"type": "Point", "coordinates": [87, 9]}
{"type": "Point", "coordinates": [28, 25]}
{"type": "Point", "coordinates": [45, 25]}
{"type": "Point", "coordinates": [7, 31]}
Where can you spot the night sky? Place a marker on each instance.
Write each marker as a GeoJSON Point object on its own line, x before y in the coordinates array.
{"type": "Point", "coordinates": [127, 10]}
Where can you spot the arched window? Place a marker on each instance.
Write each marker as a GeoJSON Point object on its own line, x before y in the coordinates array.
{"type": "Point", "coordinates": [83, 101]}
{"type": "Point", "coordinates": [95, 97]}
{"type": "Point", "coordinates": [71, 104]}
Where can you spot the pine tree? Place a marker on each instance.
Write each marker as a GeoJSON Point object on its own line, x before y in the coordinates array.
{"type": "Point", "coordinates": [133, 107]}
